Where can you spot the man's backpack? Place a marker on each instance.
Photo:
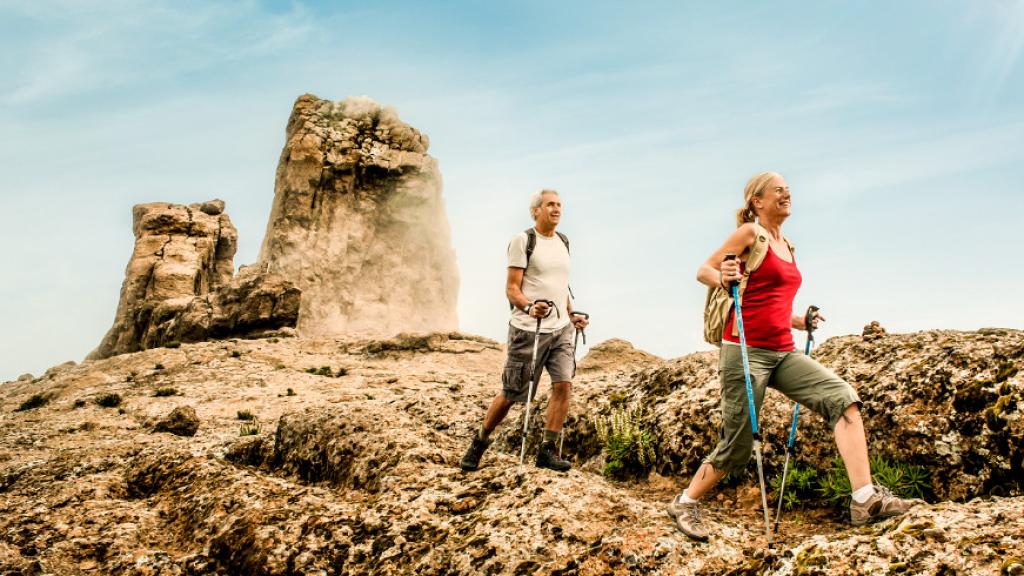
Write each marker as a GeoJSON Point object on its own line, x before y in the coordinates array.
{"type": "Point", "coordinates": [531, 243]}
{"type": "Point", "coordinates": [718, 303]}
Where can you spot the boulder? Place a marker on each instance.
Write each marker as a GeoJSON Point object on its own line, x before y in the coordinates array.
{"type": "Point", "coordinates": [952, 402]}
{"type": "Point", "coordinates": [182, 421]}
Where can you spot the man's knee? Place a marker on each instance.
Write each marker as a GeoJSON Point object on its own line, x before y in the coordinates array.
{"type": "Point", "coordinates": [561, 389]}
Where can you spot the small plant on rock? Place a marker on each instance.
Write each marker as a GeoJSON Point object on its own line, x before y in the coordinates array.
{"type": "Point", "coordinates": [236, 354]}
{"type": "Point", "coordinates": [166, 391]}
{"type": "Point", "coordinates": [628, 447]}
{"type": "Point", "coordinates": [905, 480]}
{"type": "Point", "coordinates": [34, 401]}
{"type": "Point", "coordinates": [246, 415]}
{"type": "Point", "coordinates": [322, 371]}
{"type": "Point", "coordinates": [109, 400]}
{"type": "Point", "coordinates": [801, 486]}
{"type": "Point", "coordinates": [173, 344]}
{"type": "Point", "coordinates": [251, 428]}
{"type": "Point", "coordinates": [290, 392]}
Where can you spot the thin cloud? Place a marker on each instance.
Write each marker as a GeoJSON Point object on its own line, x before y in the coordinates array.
{"type": "Point", "coordinates": [904, 162]}
{"type": "Point", "coordinates": [1003, 24]}
{"type": "Point", "coordinates": [74, 51]}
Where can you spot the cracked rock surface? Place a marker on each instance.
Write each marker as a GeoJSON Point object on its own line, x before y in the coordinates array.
{"type": "Point", "coordinates": [340, 456]}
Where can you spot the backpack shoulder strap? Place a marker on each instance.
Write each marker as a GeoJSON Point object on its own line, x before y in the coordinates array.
{"type": "Point", "coordinates": [531, 243]}
{"type": "Point", "coordinates": [758, 250]}
{"type": "Point", "coordinates": [565, 239]}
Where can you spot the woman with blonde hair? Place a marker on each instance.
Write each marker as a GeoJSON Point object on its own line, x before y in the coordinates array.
{"type": "Point", "coordinates": [768, 321]}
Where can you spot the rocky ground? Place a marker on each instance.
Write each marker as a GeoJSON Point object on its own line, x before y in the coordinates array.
{"type": "Point", "coordinates": [348, 464]}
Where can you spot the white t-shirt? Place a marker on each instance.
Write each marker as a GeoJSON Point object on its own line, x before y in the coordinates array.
{"type": "Point", "coordinates": [547, 278]}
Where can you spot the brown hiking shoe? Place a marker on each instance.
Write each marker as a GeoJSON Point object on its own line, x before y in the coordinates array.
{"type": "Point", "coordinates": [547, 457]}
{"type": "Point", "coordinates": [471, 461]}
{"type": "Point", "coordinates": [688, 519]}
{"type": "Point", "coordinates": [882, 504]}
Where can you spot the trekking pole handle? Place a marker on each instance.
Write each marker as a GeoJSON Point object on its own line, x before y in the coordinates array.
{"type": "Point", "coordinates": [585, 315]}
{"type": "Point", "coordinates": [551, 306]}
{"type": "Point", "coordinates": [808, 319]}
{"type": "Point", "coordinates": [728, 257]}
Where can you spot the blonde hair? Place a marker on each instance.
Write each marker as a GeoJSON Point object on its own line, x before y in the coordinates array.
{"type": "Point", "coordinates": [537, 198]}
{"type": "Point", "coordinates": [754, 188]}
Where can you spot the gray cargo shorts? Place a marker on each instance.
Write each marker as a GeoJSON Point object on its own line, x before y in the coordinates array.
{"type": "Point", "coordinates": [554, 352]}
{"type": "Point", "coordinates": [797, 376]}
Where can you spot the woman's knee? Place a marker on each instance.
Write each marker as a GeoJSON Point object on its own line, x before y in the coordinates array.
{"type": "Point", "coordinates": [850, 415]}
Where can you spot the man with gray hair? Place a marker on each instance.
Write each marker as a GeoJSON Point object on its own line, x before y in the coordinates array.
{"type": "Point", "coordinates": [538, 273]}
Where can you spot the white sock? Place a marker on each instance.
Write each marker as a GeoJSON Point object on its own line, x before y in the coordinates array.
{"type": "Point", "coordinates": [684, 499]}
{"type": "Point", "coordinates": [861, 495]}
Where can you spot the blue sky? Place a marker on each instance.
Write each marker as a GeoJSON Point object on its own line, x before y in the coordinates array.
{"type": "Point", "coordinates": [899, 126]}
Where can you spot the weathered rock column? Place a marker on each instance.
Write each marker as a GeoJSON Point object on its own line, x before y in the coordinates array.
{"type": "Point", "coordinates": [358, 222]}
{"type": "Point", "coordinates": [178, 284]}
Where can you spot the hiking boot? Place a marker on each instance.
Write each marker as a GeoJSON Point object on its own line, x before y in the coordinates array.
{"type": "Point", "coordinates": [471, 460]}
{"type": "Point", "coordinates": [688, 519]}
{"type": "Point", "coordinates": [882, 504]}
{"type": "Point", "coordinates": [547, 457]}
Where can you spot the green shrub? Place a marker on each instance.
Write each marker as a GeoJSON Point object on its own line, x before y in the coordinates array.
{"type": "Point", "coordinates": [158, 366]}
{"type": "Point", "coordinates": [35, 401]}
{"type": "Point", "coordinates": [246, 415]}
{"type": "Point", "coordinates": [173, 344]}
{"type": "Point", "coordinates": [78, 403]}
{"type": "Point", "coordinates": [236, 354]}
{"type": "Point", "coordinates": [325, 371]}
{"type": "Point", "coordinates": [905, 480]}
{"type": "Point", "coordinates": [629, 449]}
{"type": "Point", "coordinates": [290, 392]}
{"type": "Point", "coordinates": [166, 391]}
{"type": "Point", "coordinates": [109, 400]}
{"type": "Point", "coordinates": [801, 486]}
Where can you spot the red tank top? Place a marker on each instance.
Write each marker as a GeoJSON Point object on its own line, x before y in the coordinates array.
{"type": "Point", "coordinates": [767, 305]}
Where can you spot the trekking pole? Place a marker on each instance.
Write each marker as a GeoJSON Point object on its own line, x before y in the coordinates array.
{"type": "Point", "coordinates": [808, 324]}
{"type": "Point", "coordinates": [529, 391]}
{"type": "Point", "coordinates": [576, 340]}
{"type": "Point", "coordinates": [734, 286]}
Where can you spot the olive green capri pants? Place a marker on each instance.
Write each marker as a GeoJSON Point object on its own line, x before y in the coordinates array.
{"type": "Point", "coordinates": [797, 376]}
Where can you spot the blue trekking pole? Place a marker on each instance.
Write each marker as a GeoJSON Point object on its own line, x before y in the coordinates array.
{"type": "Point", "coordinates": [734, 286]}
{"type": "Point", "coordinates": [808, 323]}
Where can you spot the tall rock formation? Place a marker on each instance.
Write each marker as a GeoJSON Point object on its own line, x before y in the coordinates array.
{"type": "Point", "coordinates": [358, 222]}
{"type": "Point", "coordinates": [178, 284]}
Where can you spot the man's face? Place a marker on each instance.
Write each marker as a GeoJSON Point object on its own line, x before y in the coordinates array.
{"type": "Point", "coordinates": [549, 212]}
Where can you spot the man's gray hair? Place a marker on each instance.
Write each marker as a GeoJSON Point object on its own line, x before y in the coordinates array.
{"type": "Point", "coordinates": [538, 198]}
